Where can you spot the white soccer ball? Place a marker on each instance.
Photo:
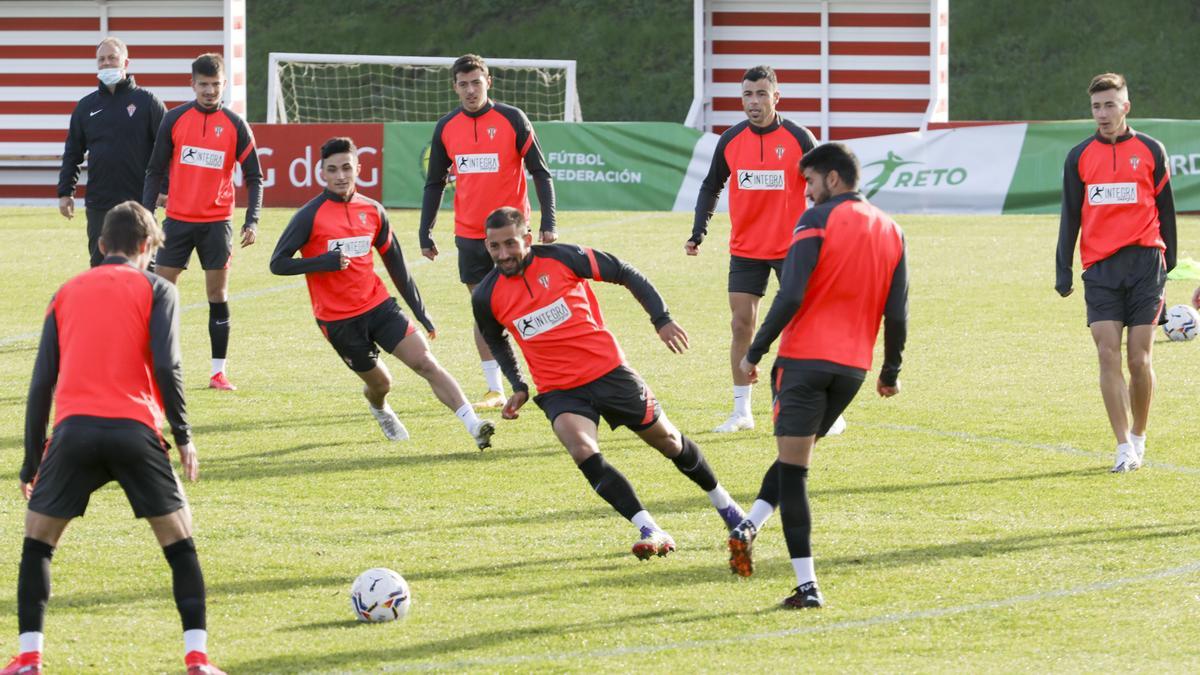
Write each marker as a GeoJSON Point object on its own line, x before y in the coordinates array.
{"type": "Point", "coordinates": [1183, 322]}
{"type": "Point", "coordinates": [380, 594]}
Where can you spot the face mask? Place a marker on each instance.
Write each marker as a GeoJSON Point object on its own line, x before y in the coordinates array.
{"type": "Point", "coordinates": [110, 76]}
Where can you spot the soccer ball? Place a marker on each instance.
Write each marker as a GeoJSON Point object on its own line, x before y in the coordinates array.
{"type": "Point", "coordinates": [378, 595]}
{"type": "Point", "coordinates": [1182, 323]}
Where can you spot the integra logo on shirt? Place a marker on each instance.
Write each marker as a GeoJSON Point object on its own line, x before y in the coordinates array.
{"type": "Point", "coordinates": [209, 159]}
{"type": "Point", "coordinates": [541, 320]}
{"type": "Point", "coordinates": [760, 180]}
{"type": "Point", "coordinates": [351, 247]}
{"type": "Point", "coordinates": [1102, 194]}
{"type": "Point", "coordinates": [487, 162]}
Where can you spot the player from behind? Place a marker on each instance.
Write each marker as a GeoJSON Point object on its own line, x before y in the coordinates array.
{"type": "Point", "coordinates": [488, 146]}
{"type": "Point", "coordinates": [109, 363]}
{"type": "Point", "coordinates": [334, 234]}
{"type": "Point", "coordinates": [844, 272]}
{"type": "Point", "coordinates": [1117, 202]}
{"type": "Point", "coordinates": [540, 296]}
{"type": "Point", "coordinates": [197, 146]}
{"type": "Point", "coordinates": [766, 198]}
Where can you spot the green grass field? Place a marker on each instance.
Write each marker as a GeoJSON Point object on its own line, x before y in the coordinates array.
{"type": "Point", "coordinates": [969, 524]}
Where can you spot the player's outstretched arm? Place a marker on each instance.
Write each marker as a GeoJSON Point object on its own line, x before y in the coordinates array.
{"type": "Point", "coordinates": [797, 269]}
{"type": "Point", "coordinates": [295, 235]}
{"type": "Point", "coordinates": [393, 261]}
{"type": "Point", "coordinates": [166, 357]}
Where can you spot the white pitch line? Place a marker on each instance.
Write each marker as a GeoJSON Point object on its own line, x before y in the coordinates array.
{"type": "Point", "coordinates": [1061, 448]}
{"type": "Point", "coordinates": [853, 624]}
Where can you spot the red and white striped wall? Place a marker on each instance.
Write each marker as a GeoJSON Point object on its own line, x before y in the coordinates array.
{"type": "Point", "coordinates": [48, 62]}
{"type": "Point", "coordinates": [846, 68]}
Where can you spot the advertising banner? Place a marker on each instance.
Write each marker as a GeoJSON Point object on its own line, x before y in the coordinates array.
{"type": "Point", "coordinates": [628, 166]}
{"type": "Point", "coordinates": [290, 155]}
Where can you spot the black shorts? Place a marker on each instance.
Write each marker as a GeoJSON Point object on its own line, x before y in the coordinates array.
{"type": "Point", "coordinates": [355, 338]}
{"type": "Point", "coordinates": [474, 263]}
{"type": "Point", "coordinates": [1127, 286]}
{"type": "Point", "coordinates": [750, 275]}
{"type": "Point", "coordinates": [213, 243]}
{"type": "Point", "coordinates": [807, 399]}
{"type": "Point", "coordinates": [621, 397]}
{"type": "Point", "coordinates": [87, 452]}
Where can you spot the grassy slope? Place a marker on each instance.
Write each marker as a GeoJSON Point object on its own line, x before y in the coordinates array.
{"type": "Point", "coordinates": [967, 524]}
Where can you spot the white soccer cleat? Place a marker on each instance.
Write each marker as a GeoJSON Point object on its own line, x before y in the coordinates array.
{"type": "Point", "coordinates": [735, 423]}
{"type": "Point", "coordinates": [1127, 459]}
{"type": "Point", "coordinates": [390, 423]}
{"type": "Point", "coordinates": [482, 433]}
{"type": "Point", "coordinates": [838, 428]}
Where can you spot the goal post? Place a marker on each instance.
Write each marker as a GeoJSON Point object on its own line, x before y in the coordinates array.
{"type": "Point", "coordinates": [316, 88]}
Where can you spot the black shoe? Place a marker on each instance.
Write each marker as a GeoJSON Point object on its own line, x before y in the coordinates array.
{"type": "Point", "coordinates": [805, 595]}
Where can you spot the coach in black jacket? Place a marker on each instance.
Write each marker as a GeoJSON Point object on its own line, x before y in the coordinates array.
{"type": "Point", "coordinates": [115, 125]}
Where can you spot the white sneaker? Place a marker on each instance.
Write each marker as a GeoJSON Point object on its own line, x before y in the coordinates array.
{"type": "Point", "coordinates": [1140, 449]}
{"type": "Point", "coordinates": [838, 428]}
{"type": "Point", "coordinates": [735, 423]}
{"type": "Point", "coordinates": [1127, 459]}
{"type": "Point", "coordinates": [483, 433]}
{"type": "Point", "coordinates": [390, 423]}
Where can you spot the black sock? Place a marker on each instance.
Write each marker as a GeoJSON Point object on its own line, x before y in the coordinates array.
{"type": "Point", "coordinates": [187, 582]}
{"type": "Point", "coordinates": [218, 328]}
{"type": "Point", "coordinates": [691, 463]}
{"type": "Point", "coordinates": [793, 510]}
{"type": "Point", "coordinates": [769, 490]}
{"type": "Point", "coordinates": [611, 485]}
{"type": "Point", "coordinates": [33, 585]}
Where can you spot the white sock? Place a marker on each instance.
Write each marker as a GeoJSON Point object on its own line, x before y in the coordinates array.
{"type": "Point", "coordinates": [804, 570]}
{"type": "Point", "coordinates": [741, 400]}
{"type": "Point", "coordinates": [32, 641]}
{"type": "Point", "coordinates": [218, 366]}
{"type": "Point", "coordinates": [385, 409]}
{"type": "Point", "coordinates": [643, 519]}
{"type": "Point", "coordinates": [466, 414]}
{"type": "Point", "coordinates": [760, 512]}
{"type": "Point", "coordinates": [1138, 441]}
{"type": "Point", "coordinates": [195, 641]}
{"type": "Point", "coordinates": [719, 497]}
{"type": "Point", "coordinates": [491, 373]}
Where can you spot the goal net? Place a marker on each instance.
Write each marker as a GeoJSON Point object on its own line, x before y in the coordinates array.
{"type": "Point", "coordinates": [314, 88]}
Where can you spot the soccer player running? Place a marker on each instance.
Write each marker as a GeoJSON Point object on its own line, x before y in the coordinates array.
{"type": "Point", "coordinates": [1117, 202]}
{"type": "Point", "coordinates": [334, 234]}
{"type": "Point", "coordinates": [197, 146]}
{"type": "Point", "coordinates": [766, 198]}
{"type": "Point", "coordinates": [540, 295]}
{"type": "Point", "coordinates": [845, 271]}
{"type": "Point", "coordinates": [115, 126]}
{"type": "Point", "coordinates": [488, 146]}
{"type": "Point", "coordinates": [109, 362]}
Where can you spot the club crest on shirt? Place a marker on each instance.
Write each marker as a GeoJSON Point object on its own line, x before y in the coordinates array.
{"type": "Point", "coordinates": [218, 129]}
{"type": "Point", "coordinates": [544, 280]}
{"type": "Point", "coordinates": [779, 152]}
{"type": "Point", "coordinates": [491, 133]}
{"type": "Point", "coordinates": [362, 218]}
{"type": "Point", "coordinates": [131, 108]}
{"type": "Point", "coordinates": [1134, 161]}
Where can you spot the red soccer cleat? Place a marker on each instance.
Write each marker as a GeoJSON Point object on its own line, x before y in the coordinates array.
{"type": "Point", "coordinates": [26, 663]}
{"type": "Point", "coordinates": [197, 664]}
{"type": "Point", "coordinates": [653, 543]}
{"type": "Point", "coordinates": [219, 381]}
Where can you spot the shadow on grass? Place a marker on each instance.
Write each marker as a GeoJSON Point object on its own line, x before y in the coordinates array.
{"type": "Point", "coordinates": [466, 642]}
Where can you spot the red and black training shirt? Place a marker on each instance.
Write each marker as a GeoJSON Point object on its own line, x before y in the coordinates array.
{"type": "Point", "coordinates": [1115, 194]}
{"type": "Point", "coordinates": [110, 349]}
{"type": "Point", "coordinates": [766, 187]}
{"type": "Point", "coordinates": [488, 151]}
{"type": "Point", "coordinates": [550, 310]}
{"type": "Point", "coordinates": [844, 272]}
{"type": "Point", "coordinates": [328, 227]}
